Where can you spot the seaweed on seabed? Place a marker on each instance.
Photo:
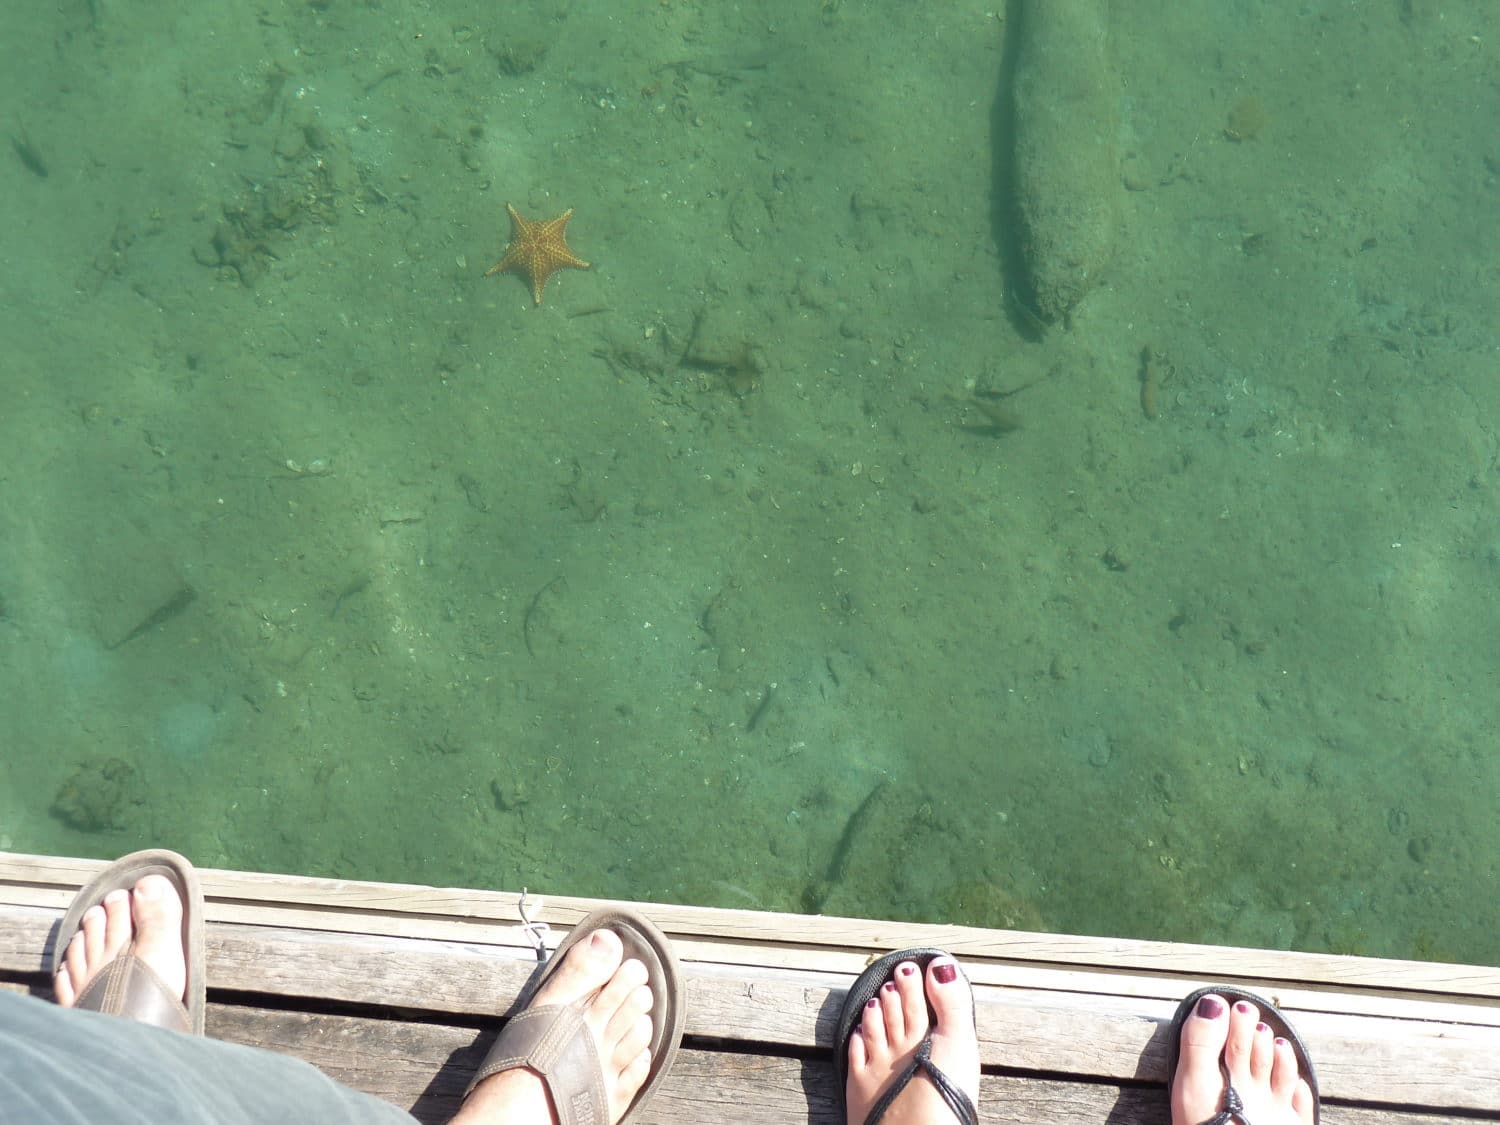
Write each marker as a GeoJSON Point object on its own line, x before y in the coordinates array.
{"type": "Point", "coordinates": [97, 795]}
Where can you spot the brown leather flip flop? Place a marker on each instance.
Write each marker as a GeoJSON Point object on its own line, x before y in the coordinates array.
{"type": "Point", "coordinates": [127, 986]}
{"type": "Point", "coordinates": [554, 1041]}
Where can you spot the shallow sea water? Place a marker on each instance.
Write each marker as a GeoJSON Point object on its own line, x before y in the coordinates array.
{"type": "Point", "coordinates": [780, 559]}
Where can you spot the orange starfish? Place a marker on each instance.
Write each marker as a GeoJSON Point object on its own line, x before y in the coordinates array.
{"type": "Point", "coordinates": [538, 249]}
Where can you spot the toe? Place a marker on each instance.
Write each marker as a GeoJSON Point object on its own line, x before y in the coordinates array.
{"type": "Point", "coordinates": [1199, 1083]}
{"type": "Point", "coordinates": [630, 1014]}
{"type": "Point", "coordinates": [157, 910]}
{"type": "Point", "coordinates": [1303, 1103]}
{"type": "Point", "coordinates": [623, 989]}
{"type": "Point", "coordinates": [872, 1027]}
{"type": "Point", "coordinates": [631, 1078]}
{"type": "Point", "coordinates": [116, 921]}
{"type": "Point", "coordinates": [870, 1057]}
{"type": "Point", "coordinates": [1283, 1071]}
{"type": "Point", "coordinates": [1262, 1053]}
{"type": "Point", "coordinates": [910, 988]}
{"type": "Point", "coordinates": [635, 1073]}
{"type": "Point", "coordinates": [92, 926]}
{"type": "Point", "coordinates": [1243, 1018]}
{"type": "Point", "coordinates": [62, 986]}
{"type": "Point", "coordinates": [892, 1015]}
{"type": "Point", "coordinates": [858, 1056]}
{"type": "Point", "coordinates": [77, 964]}
{"type": "Point", "coordinates": [633, 1039]}
{"type": "Point", "coordinates": [117, 925]}
{"type": "Point", "coordinates": [955, 1042]}
{"type": "Point", "coordinates": [585, 969]}
{"type": "Point", "coordinates": [952, 1000]}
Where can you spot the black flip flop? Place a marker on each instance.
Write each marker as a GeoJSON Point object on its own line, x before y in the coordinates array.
{"type": "Point", "coordinates": [127, 986]}
{"type": "Point", "coordinates": [1233, 1112]}
{"type": "Point", "coordinates": [866, 986]}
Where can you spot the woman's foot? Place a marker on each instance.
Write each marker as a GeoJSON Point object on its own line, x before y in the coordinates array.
{"type": "Point", "coordinates": [886, 1041]}
{"type": "Point", "coordinates": [150, 914]}
{"type": "Point", "coordinates": [1261, 1066]}
{"type": "Point", "coordinates": [618, 1018]}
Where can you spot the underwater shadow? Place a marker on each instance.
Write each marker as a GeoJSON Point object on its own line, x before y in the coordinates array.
{"type": "Point", "coordinates": [1005, 222]}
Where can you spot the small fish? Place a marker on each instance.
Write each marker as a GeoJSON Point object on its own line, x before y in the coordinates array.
{"type": "Point", "coordinates": [163, 613]}
{"type": "Point", "coordinates": [27, 154]}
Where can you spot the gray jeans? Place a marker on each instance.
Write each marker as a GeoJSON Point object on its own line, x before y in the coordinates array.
{"type": "Point", "coordinates": [64, 1066]}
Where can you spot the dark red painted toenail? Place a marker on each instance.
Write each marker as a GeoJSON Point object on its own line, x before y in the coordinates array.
{"type": "Point", "coordinates": [871, 1002]}
{"type": "Point", "coordinates": [907, 970]}
{"type": "Point", "coordinates": [1262, 1027]}
{"type": "Point", "coordinates": [1210, 1007]}
{"type": "Point", "coordinates": [1242, 1007]}
{"type": "Point", "coordinates": [945, 974]}
{"type": "Point", "coordinates": [889, 986]}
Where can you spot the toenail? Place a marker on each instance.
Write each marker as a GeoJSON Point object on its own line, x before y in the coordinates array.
{"type": "Point", "coordinates": [114, 896]}
{"type": "Point", "coordinates": [945, 974]}
{"type": "Point", "coordinates": [907, 970]}
{"type": "Point", "coordinates": [149, 889]}
{"type": "Point", "coordinates": [1210, 1007]}
{"type": "Point", "coordinates": [889, 986]}
{"type": "Point", "coordinates": [597, 941]}
{"type": "Point", "coordinates": [1262, 1027]}
{"type": "Point", "coordinates": [872, 1002]}
{"type": "Point", "coordinates": [1242, 1007]}
{"type": "Point", "coordinates": [1280, 1042]}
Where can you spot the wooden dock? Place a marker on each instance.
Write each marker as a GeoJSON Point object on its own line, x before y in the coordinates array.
{"type": "Point", "coordinates": [395, 989]}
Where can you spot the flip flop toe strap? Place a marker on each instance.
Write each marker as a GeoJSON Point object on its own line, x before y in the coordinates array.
{"type": "Point", "coordinates": [555, 1042]}
{"type": "Point", "coordinates": [127, 986]}
{"type": "Point", "coordinates": [957, 1100]}
{"type": "Point", "coordinates": [1233, 1112]}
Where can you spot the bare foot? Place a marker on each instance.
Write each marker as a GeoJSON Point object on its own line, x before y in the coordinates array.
{"type": "Point", "coordinates": [1262, 1068]}
{"type": "Point", "coordinates": [894, 1024]}
{"type": "Point", "coordinates": [618, 1018]}
{"type": "Point", "coordinates": [150, 914]}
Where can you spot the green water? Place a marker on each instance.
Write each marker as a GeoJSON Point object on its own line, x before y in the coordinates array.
{"type": "Point", "coordinates": [711, 580]}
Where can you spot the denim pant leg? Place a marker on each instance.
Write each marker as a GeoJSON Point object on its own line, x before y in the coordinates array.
{"type": "Point", "coordinates": [65, 1066]}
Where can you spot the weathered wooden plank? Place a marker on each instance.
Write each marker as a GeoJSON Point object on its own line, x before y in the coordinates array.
{"type": "Point", "coordinates": [741, 936]}
{"type": "Point", "coordinates": [398, 1062]}
{"type": "Point", "coordinates": [361, 969]}
{"type": "Point", "coordinates": [425, 1067]}
{"type": "Point", "coordinates": [1099, 1038]}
